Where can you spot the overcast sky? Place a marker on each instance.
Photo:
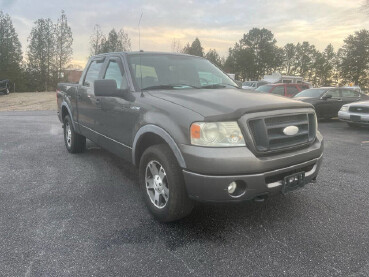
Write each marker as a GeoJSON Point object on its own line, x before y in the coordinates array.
{"type": "Point", "coordinates": [218, 24]}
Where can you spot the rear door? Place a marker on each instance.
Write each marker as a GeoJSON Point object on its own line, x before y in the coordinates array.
{"type": "Point", "coordinates": [349, 95]}
{"type": "Point", "coordinates": [87, 105]}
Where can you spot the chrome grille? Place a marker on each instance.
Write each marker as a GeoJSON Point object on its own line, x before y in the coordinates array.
{"type": "Point", "coordinates": [357, 109]}
{"type": "Point", "coordinates": [268, 132]}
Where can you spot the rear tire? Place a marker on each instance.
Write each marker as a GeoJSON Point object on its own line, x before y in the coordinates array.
{"type": "Point", "coordinates": [75, 143]}
{"type": "Point", "coordinates": [162, 184]}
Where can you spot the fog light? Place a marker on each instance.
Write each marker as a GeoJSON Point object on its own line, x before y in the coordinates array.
{"type": "Point", "coordinates": [232, 187]}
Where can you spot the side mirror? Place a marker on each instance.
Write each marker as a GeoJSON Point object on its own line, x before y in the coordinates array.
{"type": "Point", "coordinates": [326, 97]}
{"type": "Point", "coordinates": [108, 88]}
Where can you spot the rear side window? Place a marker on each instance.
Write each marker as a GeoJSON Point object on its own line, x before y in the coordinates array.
{"type": "Point", "coordinates": [292, 90]}
{"type": "Point", "coordinates": [92, 73]}
{"type": "Point", "coordinates": [278, 90]}
{"type": "Point", "coordinates": [349, 93]}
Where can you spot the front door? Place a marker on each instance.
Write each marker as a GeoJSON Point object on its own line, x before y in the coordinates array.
{"type": "Point", "coordinates": [117, 115]}
{"type": "Point", "coordinates": [329, 108]}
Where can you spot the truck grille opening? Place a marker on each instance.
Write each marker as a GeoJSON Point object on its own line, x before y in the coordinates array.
{"type": "Point", "coordinates": [359, 109]}
{"type": "Point", "coordinates": [269, 133]}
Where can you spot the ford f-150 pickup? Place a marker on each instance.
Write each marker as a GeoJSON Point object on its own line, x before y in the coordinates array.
{"type": "Point", "coordinates": [191, 131]}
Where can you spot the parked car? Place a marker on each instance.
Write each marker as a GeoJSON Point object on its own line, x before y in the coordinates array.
{"type": "Point", "coordinates": [329, 100]}
{"type": "Point", "coordinates": [355, 114]}
{"type": "Point", "coordinates": [4, 87]}
{"type": "Point", "coordinates": [252, 85]}
{"type": "Point", "coordinates": [283, 89]}
{"type": "Point", "coordinates": [192, 138]}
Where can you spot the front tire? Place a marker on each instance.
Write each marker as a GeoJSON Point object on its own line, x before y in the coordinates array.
{"type": "Point", "coordinates": [162, 184]}
{"type": "Point", "coordinates": [75, 143]}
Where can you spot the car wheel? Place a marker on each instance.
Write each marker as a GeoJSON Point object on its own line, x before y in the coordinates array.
{"type": "Point", "coordinates": [162, 184]}
{"type": "Point", "coordinates": [74, 142]}
{"type": "Point", "coordinates": [7, 91]}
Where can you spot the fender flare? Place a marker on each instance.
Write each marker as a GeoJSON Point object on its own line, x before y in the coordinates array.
{"type": "Point", "coordinates": [164, 135]}
{"type": "Point", "coordinates": [64, 104]}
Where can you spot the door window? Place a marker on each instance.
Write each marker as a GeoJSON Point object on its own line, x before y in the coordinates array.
{"type": "Point", "coordinates": [292, 90]}
{"type": "Point", "coordinates": [113, 72]}
{"type": "Point", "coordinates": [334, 92]}
{"type": "Point", "coordinates": [278, 90]}
{"type": "Point", "coordinates": [92, 73]}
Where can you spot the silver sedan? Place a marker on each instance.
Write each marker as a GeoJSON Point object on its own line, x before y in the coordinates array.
{"type": "Point", "coordinates": [355, 114]}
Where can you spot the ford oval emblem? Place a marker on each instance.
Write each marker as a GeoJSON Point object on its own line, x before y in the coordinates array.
{"type": "Point", "coordinates": [291, 130]}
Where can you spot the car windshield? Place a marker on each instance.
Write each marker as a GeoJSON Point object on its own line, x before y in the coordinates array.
{"type": "Point", "coordinates": [311, 93]}
{"type": "Point", "coordinates": [248, 84]}
{"type": "Point", "coordinates": [165, 71]}
{"type": "Point", "coordinates": [265, 88]}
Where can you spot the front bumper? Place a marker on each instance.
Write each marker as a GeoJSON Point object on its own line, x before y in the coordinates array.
{"type": "Point", "coordinates": [346, 117]}
{"type": "Point", "coordinates": [215, 188]}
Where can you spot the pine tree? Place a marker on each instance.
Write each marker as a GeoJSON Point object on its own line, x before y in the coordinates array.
{"type": "Point", "coordinates": [64, 40]}
{"type": "Point", "coordinates": [213, 56]}
{"type": "Point", "coordinates": [194, 49]}
{"type": "Point", "coordinates": [355, 59]}
{"type": "Point", "coordinates": [41, 54]}
{"type": "Point", "coordinates": [10, 50]}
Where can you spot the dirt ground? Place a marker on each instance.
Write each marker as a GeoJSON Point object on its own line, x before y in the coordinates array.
{"type": "Point", "coordinates": [28, 101]}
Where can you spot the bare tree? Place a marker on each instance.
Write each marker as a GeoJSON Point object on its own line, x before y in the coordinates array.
{"type": "Point", "coordinates": [176, 46]}
{"type": "Point", "coordinates": [96, 40]}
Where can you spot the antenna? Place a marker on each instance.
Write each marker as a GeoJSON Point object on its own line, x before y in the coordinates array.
{"type": "Point", "coordinates": [139, 49]}
{"type": "Point", "coordinates": [139, 33]}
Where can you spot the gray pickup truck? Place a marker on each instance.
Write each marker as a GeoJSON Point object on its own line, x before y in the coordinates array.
{"type": "Point", "coordinates": [191, 131]}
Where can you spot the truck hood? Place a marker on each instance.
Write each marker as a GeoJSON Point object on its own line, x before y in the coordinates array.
{"type": "Point", "coordinates": [226, 104]}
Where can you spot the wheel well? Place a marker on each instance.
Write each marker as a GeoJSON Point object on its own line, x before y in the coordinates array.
{"type": "Point", "coordinates": [147, 140]}
{"type": "Point", "coordinates": [64, 112]}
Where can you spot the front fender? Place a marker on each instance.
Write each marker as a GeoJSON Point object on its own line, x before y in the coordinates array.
{"type": "Point", "coordinates": [164, 135]}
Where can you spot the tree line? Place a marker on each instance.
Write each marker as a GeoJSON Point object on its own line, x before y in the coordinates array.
{"type": "Point", "coordinates": [257, 54]}
{"type": "Point", "coordinates": [49, 53]}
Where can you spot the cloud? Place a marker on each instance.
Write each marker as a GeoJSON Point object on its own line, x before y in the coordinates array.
{"type": "Point", "coordinates": [6, 3]}
{"type": "Point", "coordinates": [218, 23]}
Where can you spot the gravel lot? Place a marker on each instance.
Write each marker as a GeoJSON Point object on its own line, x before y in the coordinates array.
{"type": "Point", "coordinates": [82, 215]}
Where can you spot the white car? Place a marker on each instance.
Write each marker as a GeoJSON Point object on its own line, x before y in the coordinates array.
{"type": "Point", "coordinates": [355, 114]}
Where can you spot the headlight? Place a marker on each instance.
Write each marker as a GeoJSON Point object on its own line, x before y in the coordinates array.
{"type": "Point", "coordinates": [344, 108]}
{"type": "Point", "coordinates": [216, 134]}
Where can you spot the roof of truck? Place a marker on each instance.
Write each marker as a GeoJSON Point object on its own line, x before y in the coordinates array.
{"type": "Point", "coordinates": [144, 53]}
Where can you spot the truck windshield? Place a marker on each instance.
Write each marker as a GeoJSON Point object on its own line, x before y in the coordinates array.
{"type": "Point", "coordinates": [166, 71]}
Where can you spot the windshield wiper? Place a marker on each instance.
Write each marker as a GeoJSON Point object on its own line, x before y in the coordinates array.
{"type": "Point", "coordinates": [218, 86]}
{"type": "Point", "coordinates": [168, 86]}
